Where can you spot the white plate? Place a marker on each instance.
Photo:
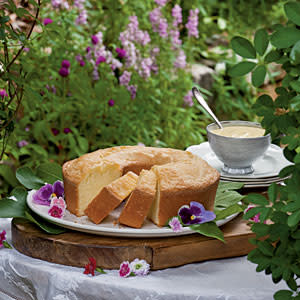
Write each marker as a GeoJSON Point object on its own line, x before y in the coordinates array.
{"type": "Point", "coordinates": [269, 165]}
{"type": "Point", "coordinates": [108, 226]}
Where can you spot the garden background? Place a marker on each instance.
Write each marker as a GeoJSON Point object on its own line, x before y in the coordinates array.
{"type": "Point", "coordinates": [80, 75]}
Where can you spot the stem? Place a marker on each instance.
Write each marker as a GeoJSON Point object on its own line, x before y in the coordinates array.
{"type": "Point", "coordinates": [28, 35]}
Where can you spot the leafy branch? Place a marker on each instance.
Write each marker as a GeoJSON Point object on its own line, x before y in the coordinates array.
{"type": "Point", "coordinates": [12, 75]}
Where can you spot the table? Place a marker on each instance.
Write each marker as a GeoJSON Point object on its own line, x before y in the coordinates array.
{"type": "Point", "coordinates": [25, 278]}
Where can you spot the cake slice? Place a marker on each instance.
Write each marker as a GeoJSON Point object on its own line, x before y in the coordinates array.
{"type": "Point", "coordinates": [138, 204]}
{"type": "Point", "coordinates": [110, 197]}
{"type": "Point", "coordinates": [180, 183]}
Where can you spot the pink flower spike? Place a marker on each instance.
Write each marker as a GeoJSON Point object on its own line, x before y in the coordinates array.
{"type": "Point", "coordinates": [175, 225]}
{"type": "Point", "coordinates": [56, 212]}
{"type": "Point", "coordinates": [2, 238]}
{"type": "Point", "coordinates": [125, 269]}
{"type": "Point", "coordinates": [47, 21]}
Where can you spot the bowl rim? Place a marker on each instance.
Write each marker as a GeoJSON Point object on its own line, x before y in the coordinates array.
{"type": "Point", "coordinates": [237, 122]}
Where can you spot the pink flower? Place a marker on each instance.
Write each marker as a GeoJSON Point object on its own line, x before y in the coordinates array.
{"type": "Point", "coordinates": [47, 21]}
{"type": "Point", "coordinates": [180, 62]}
{"type": "Point", "coordinates": [56, 212]}
{"type": "Point", "coordinates": [55, 131]}
{"type": "Point", "coordinates": [2, 238]}
{"type": "Point", "coordinates": [100, 60]}
{"type": "Point", "coordinates": [3, 94]}
{"type": "Point", "coordinates": [64, 72]}
{"type": "Point", "coordinates": [140, 267]}
{"type": "Point", "coordinates": [132, 90]}
{"type": "Point", "coordinates": [67, 130]}
{"type": "Point", "coordinates": [125, 78]}
{"type": "Point", "coordinates": [95, 40]}
{"type": "Point", "coordinates": [59, 201]}
{"type": "Point", "coordinates": [90, 267]}
{"type": "Point", "coordinates": [161, 2]}
{"type": "Point", "coordinates": [125, 269]}
{"type": "Point", "coordinates": [121, 52]}
{"type": "Point", "coordinates": [192, 24]}
{"type": "Point", "coordinates": [65, 64]}
{"type": "Point", "coordinates": [255, 218]}
{"type": "Point", "coordinates": [111, 102]}
{"type": "Point", "coordinates": [177, 15]}
{"type": "Point", "coordinates": [188, 99]}
{"type": "Point", "coordinates": [26, 49]}
{"type": "Point", "coordinates": [175, 225]}
{"type": "Point", "coordinates": [22, 143]}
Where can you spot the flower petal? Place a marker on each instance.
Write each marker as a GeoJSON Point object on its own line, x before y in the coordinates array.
{"type": "Point", "coordinates": [185, 214]}
{"type": "Point", "coordinates": [58, 188]}
{"type": "Point", "coordinates": [45, 192]}
{"type": "Point", "coordinates": [196, 208]}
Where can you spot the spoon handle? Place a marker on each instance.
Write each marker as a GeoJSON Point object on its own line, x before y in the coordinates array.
{"type": "Point", "coordinates": [203, 103]}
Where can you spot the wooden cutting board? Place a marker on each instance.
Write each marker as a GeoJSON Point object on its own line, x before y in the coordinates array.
{"type": "Point", "coordinates": [74, 248]}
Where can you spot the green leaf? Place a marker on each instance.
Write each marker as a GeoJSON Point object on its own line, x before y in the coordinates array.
{"type": "Point", "coordinates": [272, 192]}
{"type": "Point", "coordinates": [228, 186]}
{"type": "Point", "coordinates": [209, 229]}
{"type": "Point", "coordinates": [258, 75]}
{"type": "Point", "coordinates": [285, 37]}
{"type": "Point", "coordinates": [272, 56]}
{"type": "Point", "coordinates": [50, 172]}
{"type": "Point", "coordinates": [4, 19]}
{"type": "Point", "coordinates": [292, 11]}
{"type": "Point", "coordinates": [295, 53]}
{"type": "Point", "coordinates": [294, 218]}
{"type": "Point", "coordinates": [224, 213]}
{"type": "Point", "coordinates": [99, 270]}
{"type": "Point", "coordinates": [241, 68]}
{"type": "Point", "coordinates": [260, 229]}
{"type": "Point", "coordinates": [295, 103]}
{"type": "Point", "coordinates": [251, 213]}
{"type": "Point", "coordinates": [295, 84]}
{"type": "Point", "coordinates": [283, 295]}
{"type": "Point", "coordinates": [257, 199]}
{"type": "Point", "coordinates": [6, 245]}
{"type": "Point", "coordinates": [8, 175]}
{"type": "Point", "coordinates": [266, 248]}
{"type": "Point", "coordinates": [243, 47]}
{"type": "Point", "coordinates": [286, 171]}
{"type": "Point", "coordinates": [261, 41]}
{"type": "Point", "coordinates": [28, 178]}
{"type": "Point", "coordinates": [44, 225]}
{"type": "Point", "coordinates": [10, 208]}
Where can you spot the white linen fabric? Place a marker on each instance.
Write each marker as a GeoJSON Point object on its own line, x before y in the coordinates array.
{"type": "Point", "coordinates": [26, 278]}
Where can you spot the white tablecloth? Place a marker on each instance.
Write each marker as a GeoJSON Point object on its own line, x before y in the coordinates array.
{"type": "Point", "coordinates": [25, 278]}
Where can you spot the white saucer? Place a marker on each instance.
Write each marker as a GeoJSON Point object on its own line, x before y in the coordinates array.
{"type": "Point", "coordinates": [266, 168]}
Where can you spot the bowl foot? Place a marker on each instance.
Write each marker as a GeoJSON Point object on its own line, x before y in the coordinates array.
{"type": "Point", "coordinates": [237, 171]}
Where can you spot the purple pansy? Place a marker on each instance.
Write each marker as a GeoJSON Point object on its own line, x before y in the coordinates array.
{"type": "Point", "coordinates": [47, 21]}
{"type": "Point", "coordinates": [45, 193]}
{"type": "Point", "coordinates": [195, 214]}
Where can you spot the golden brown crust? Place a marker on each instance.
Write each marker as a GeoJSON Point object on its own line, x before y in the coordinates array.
{"type": "Point", "coordinates": [137, 206]}
{"type": "Point", "coordinates": [183, 182]}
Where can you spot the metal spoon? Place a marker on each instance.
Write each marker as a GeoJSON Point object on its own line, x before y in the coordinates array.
{"type": "Point", "coordinates": [203, 103]}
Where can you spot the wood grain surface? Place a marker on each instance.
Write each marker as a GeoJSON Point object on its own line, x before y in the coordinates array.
{"type": "Point", "coordinates": [74, 248]}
